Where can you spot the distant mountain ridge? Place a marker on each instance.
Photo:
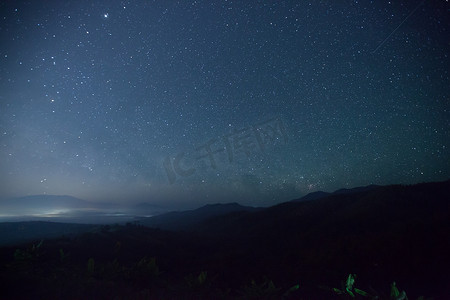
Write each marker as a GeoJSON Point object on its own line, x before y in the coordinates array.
{"type": "Point", "coordinates": [371, 206]}
{"type": "Point", "coordinates": [321, 194]}
{"type": "Point", "coordinates": [184, 220]}
{"type": "Point", "coordinates": [361, 203]}
{"type": "Point", "coordinates": [204, 218]}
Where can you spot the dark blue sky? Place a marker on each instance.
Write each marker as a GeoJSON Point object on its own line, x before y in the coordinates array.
{"type": "Point", "coordinates": [181, 103]}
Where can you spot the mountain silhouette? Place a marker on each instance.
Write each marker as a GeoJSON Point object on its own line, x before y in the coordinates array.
{"type": "Point", "coordinates": [184, 220]}
{"type": "Point", "coordinates": [383, 234]}
{"type": "Point", "coordinates": [321, 194]}
{"type": "Point", "coordinates": [374, 208]}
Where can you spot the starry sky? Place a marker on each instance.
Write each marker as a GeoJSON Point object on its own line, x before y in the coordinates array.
{"type": "Point", "coordinates": [182, 103]}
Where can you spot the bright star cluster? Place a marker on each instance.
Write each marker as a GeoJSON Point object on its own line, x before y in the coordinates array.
{"type": "Point", "coordinates": [181, 103]}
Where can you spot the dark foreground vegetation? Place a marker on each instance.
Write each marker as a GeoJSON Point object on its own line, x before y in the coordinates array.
{"type": "Point", "coordinates": [345, 246]}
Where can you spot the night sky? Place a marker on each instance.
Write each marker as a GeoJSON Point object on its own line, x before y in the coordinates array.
{"type": "Point", "coordinates": [182, 103]}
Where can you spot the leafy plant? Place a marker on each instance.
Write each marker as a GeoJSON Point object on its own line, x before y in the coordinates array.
{"type": "Point", "coordinates": [202, 277]}
{"type": "Point", "coordinates": [291, 290]}
{"type": "Point", "coordinates": [147, 267]}
{"type": "Point", "coordinates": [196, 281]}
{"type": "Point", "coordinates": [112, 270]}
{"type": "Point", "coordinates": [264, 290]}
{"type": "Point", "coordinates": [350, 290]}
{"type": "Point", "coordinates": [21, 255]}
{"type": "Point", "coordinates": [29, 254]}
{"type": "Point", "coordinates": [396, 294]}
{"type": "Point", "coordinates": [145, 270]}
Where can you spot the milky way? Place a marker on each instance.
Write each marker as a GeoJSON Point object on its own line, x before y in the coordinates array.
{"type": "Point", "coordinates": [180, 103]}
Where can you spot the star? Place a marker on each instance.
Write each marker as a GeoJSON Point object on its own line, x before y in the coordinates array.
{"type": "Point", "coordinates": [265, 94]}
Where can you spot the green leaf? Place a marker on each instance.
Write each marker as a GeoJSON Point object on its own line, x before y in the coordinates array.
{"type": "Point", "coordinates": [394, 291]}
{"type": "Point", "coordinates": [350, 281]}
{"type": "Point", "coordinates": [350, 293]}
{"type": "Point", "coordinates": [202, 277]}
{"type": "Point", "coordinates": [292, 289]}
{"type": "Point", "coordinates": [362, 293]}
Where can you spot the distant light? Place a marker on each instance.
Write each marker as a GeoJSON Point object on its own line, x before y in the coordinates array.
{"type": "Point", "coordinates": [105, 15]}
